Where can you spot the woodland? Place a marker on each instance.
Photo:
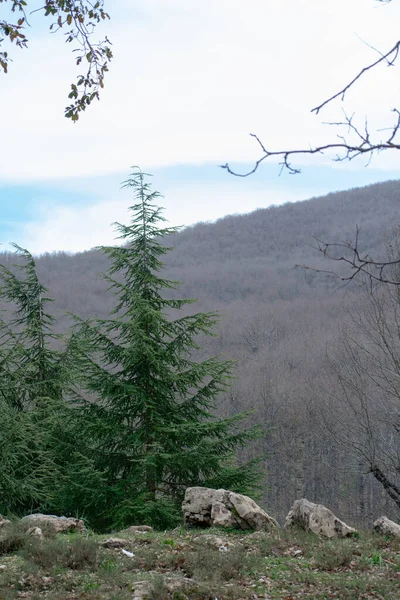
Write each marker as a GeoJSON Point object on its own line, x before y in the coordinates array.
{"type": "Point", "coordinates": [308, 359]}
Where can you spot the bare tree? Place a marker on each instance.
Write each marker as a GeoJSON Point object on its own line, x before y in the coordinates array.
{"type": "Point", "coordinates": [364, 395]}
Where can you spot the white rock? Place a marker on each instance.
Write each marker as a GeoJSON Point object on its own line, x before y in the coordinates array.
{"type": "Point", "coordinates": [205, 507]}
{"type": "Point", "coordinates": [317, 519]}
{"type": "Point", "coordinates": [387, 527]}
{"type": "Point", "coordinates": [57, 524]}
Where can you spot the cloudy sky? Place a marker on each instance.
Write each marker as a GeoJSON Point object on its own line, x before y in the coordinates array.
{"type": "Point", "coordinates": [190, 80]}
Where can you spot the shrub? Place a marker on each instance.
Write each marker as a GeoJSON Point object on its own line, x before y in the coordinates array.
{"type": "Point", "coordinates": [332, 555]}
{"type": "Point", "coordinates": [76, 554]}
{"type": "Point", "coordinates": [13, 537]}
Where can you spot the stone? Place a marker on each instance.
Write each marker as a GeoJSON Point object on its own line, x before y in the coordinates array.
{"type": "Point", "coordinates": [387, 527]}
{"type": "Point", "coordinates": [142, 590]}
{"type": "Point", "coordinates": [206, 507]}
{"type": "Point", "coordinates": [54, 524]}
{"type": "Point", "coordinates": [139, 529]}
{"type": "Point", "coordinates": [214, 541]}
{"type": "Point", "coordinates": [35, 532]}
{"type": "Point", "coordinates": [249, 512]}
{"type": "Point", "coordinates": [4, 522]}
{"type": "Point", "coordinates": [145, 589]}
{"type": "Point", "coordinates": [317, 519]}
{"type": "Point", "coordinates": [113, 543]}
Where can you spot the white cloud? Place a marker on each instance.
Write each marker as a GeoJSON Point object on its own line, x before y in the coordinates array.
{"type": "Point", "coordinates": [77, 228]}
{"type": "Point", "coordinates": [190, 80]}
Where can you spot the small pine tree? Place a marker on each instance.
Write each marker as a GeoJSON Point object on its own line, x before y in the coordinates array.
{"type": "Point", "coordinates": [150, 403]}
{"type": "Point", "coordinates": [32, 368]}
{"type": "Point", "coordinates": [45, 462]}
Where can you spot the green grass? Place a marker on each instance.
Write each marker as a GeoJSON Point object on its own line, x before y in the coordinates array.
{"type": "Point", "coordinates": [186, 565]}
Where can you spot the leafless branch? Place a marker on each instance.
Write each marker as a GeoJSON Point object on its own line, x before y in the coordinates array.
{"type": "Point", "coordinates": [390, 58]}
{"type": "Point", "coordinates": [363, 146]}
{"type": "Point", "coordinates": [348, 253]}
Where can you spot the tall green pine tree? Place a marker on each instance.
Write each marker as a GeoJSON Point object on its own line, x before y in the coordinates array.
{"type": "Point", "coordinates": [149, 408]}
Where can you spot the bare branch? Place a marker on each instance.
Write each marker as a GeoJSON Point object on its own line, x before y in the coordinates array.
{"type": "Point", "coordinates": [348, 151]}
{"type": "Point", "coordinates": [348, 253]}
{"type": "Point", "coordinates": [363, 146]}
{"type": "Point", "coordinates": [392, 54]}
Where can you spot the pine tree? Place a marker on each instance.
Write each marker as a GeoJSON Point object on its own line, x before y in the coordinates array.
{"type": "Point", "coordinates": [150, 403]}
{"type": "Point", "coordinates": [32, 368]}
{"type": "Point", "coordinates": [45, 461]}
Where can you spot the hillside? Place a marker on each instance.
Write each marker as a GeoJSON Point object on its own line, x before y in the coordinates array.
{"type": "Point", "coordinates": [276, 321]}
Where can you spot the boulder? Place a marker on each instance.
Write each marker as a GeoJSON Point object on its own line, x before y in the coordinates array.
{"type": "Point", "coordinates": [317, 519]}
{"type": "Point", "coordinates": [387, 527]}
{"type": "Point", "coordinates": [54, 524]}
{"type": "Point", "coordinates": [205, 507]}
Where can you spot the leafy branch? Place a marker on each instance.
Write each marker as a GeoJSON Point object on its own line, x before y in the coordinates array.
{"type": "Point", "coordinates": [79, 18]}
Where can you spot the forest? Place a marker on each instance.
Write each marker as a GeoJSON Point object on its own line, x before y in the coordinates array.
{"type": "Point", "coordinates": [297, 372]}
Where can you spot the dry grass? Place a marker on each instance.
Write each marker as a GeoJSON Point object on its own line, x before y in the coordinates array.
{"type": "Point", "coordinates": [188, 565]}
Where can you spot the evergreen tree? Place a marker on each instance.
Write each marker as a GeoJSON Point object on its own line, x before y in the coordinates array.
{"type": "Point", "coordinates": [26, 467]}
{"type": "Point", "coordinates": [32, 368]}
{"type": "Point", "coordinates": [44, 456]}
{"type": "Point", "coordinates": [150, 403]}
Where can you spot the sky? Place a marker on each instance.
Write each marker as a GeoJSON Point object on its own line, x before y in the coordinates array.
{"type": "Point", "coordinates": [190, 80]}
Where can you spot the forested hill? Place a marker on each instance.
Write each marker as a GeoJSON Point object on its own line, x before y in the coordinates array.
{"type": "Point", "coordinates": [243, 257]}
{"type": "Point", "coordinates": [256, 254]}
{"type": "Point", "coordinates": [277, 323]}
{"type": "Point", "coordinates": [284, 232]}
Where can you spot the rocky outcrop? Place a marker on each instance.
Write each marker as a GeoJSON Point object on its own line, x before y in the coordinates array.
{"type": "Point", "coordinates": [317, 519]}
{"type": "Point", "coordinates": [54, 524]}
{"type": "Point", "coordinates": [387, 527]}
{"type": "Point", "coordinates": [205, 507]}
